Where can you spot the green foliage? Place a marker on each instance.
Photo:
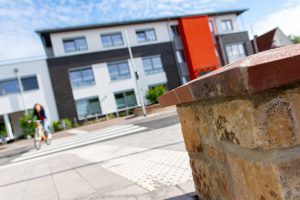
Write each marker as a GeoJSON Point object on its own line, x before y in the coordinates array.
{"type": "Point", "coordinates": [2, 130]}
{"type": "Point", "coordinates": [67, 122]}
{"type": "Point", "coordinates": [111, 116]}
{"type": "Point", "coordinates": [27, 127]}
{"type": "Point", "coordinates": [295, 39]}
{"type": "Point", "coordinates": [153, 94]}
{"type": "Point", "coordinates": [55, 126]}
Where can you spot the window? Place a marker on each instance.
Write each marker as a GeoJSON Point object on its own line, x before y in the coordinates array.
{"type": "Point", "coordinates": [146, 35]}
{"type": "Point", "coordinates": [119, 71]}
{"type": "Point", "coordinates": [109, 40]}
{"type": "Point", "coordinates": [9, 86]}
{"type": "Point", "coordinates": [76, 44]}
{"type": "Point", "coordinates": [211, 26]}
{"type": "Point", "coordinates": [82, 77]}
{"type": "Point", "coordinates": [125, 99]}
{"type": "Point", "coordinates": [175, 30]}
{"type": "Point", "coordinates": [30, 83]}
{"type": "Point", "coordinates": [227, 25]}
{"type": "Point", "coordinates": [235, 52]}
{"type": "Point", "coordinates": [87, 108]}
{"type": "Point", "coordinates": [152, 65]}
{"type": "Point", "coordinates": [180, 56]}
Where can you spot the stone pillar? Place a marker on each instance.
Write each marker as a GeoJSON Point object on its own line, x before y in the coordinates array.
{"type": "Point", "coordinates": [241, 127]}
{"type": "Point", "coordinates": [8, 128]}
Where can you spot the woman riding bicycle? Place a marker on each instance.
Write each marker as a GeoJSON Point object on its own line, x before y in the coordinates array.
{"type": "Point", "coordinates": [39, 114]}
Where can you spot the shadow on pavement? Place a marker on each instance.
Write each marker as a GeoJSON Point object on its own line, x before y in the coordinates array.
{"type": "Point", "coordinates": [188, 196]}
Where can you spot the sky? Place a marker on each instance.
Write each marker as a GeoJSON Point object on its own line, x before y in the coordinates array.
{"type": "Point", "coordinates": [20, 18]}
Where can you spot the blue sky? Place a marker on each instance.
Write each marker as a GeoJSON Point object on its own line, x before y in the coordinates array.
{"type": "Point", "coordinates": [19, 18]}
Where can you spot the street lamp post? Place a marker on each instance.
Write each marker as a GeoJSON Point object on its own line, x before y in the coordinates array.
{"type": "Point", "coordinates": [21, 89]}
{"type": "Point", "coordinates": [136, 75]}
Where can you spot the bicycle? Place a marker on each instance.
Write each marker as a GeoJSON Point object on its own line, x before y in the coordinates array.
{"type": "Point", "coordinates": [40, 136]}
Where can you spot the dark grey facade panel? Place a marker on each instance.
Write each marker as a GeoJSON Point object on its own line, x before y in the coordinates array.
{"type": "Point", "coordinates": [239, 37]}
{"type": "Point", "coordinates": [59, 71]}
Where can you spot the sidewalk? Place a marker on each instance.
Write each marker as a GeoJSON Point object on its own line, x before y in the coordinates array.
{"type": "Point", "coordinates": [152, 165]}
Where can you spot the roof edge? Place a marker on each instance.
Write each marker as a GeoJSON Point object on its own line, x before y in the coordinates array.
{"type": "Point", "coordinates": [111, 24]}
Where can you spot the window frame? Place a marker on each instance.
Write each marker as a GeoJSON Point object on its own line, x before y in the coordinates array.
{"type": "Point", "coordinates": [120, 77]}
{"type": "Point", "coordinates": [7, 80]}
{"type": "Point", "coordinates": [87, 99]}
{"type": "Point", "coordinates": [76, 48]}
{"type": "Point", "coordinates": [81, 76]}
{"type": "Point", "coordinates": [111, 39]}
{"type": "Point", "coordinates": [239, 56]}
{"type": "Point", "coordinates": [224, 21]}
{"type": "Point", "coordinates": [144, 31]}
{"type": "Point", "coordinates": [182, 56]}
{"type": "Point", "coordinates": [126, 104]}
{"type": "Point", "coordinates": [153, 71]}
{"type": "Point", "coordinates": [27, 77]}
{"type": "Point", "coordinates": [175, 33]}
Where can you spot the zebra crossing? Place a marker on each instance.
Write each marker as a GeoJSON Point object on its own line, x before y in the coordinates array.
{"type": "Point", "coordinates": [80, 139]}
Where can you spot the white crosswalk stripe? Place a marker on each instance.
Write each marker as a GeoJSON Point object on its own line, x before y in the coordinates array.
{"type": "Point", "coordinates": [81, 140]}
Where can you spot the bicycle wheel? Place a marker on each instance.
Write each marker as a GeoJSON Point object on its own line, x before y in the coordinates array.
{"type": "Point", "coordinates": [37, 141]}
{"type": "Point", "coordinates": [48, 139]}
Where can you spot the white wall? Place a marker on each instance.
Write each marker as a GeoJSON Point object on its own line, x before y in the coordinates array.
{"type": "Point", "coordinates": [94, 40]}
{"type": "Point", "coordinates": [217, 23]}
{"type": "Point", "coordinates": [104, 88]}
{"type": "Point", "coordinates": [280, 39]}
{"type": "Point", "coordinates": [11, 103]}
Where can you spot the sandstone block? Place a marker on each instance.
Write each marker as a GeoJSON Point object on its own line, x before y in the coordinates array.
{"type": "Point", "coordinates": [214, 153]}
{"type": "Point", "coordinates": [210, 182]}
{"type": "Point", "coordinates": [189, 129]}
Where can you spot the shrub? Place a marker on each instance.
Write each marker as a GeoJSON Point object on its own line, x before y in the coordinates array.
{"type": "Point", "coordinates": [55, 126]}
{"type": "Point", "coordinates": [27, 128]}
{"type": "Point", "coordinates": [2, 131]}
{"type": "Point", "coordinates": [153, 94]}
{"type": "Point", "coordinates": [67, 122]}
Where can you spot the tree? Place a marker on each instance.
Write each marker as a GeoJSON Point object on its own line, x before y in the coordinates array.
{"type": "Point", "coordinates": [295, 39]}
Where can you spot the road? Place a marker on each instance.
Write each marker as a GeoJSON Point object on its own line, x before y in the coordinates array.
{"type": "Point", "coordinates": [141, 158]}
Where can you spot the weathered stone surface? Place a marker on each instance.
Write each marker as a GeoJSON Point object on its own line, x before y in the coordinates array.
{"type": "Point", "coordinates": [201, 119]}
{"type": "Point", "coordinates": [289, 176]}
{"type": "Point", "coordinates": [276, 122]}
{"type": "Point", "coordinates": [214, 153]}
{"type": "Point", "coordinates": [189, 129]}
{"type": "Point", "coordinates": [293, 97]}
{"type": "Point", "coordinates": [210, 182]}
{"type": "Point", "coordinates": [254, 180]}
{"type": "Point", "coordinates": [233, 121]}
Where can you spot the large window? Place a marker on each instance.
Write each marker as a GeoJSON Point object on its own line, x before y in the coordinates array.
{"type": "Point", "coordinates": [152, 65]}
{"type": "Point", "coordinates": [9, 86]}
{"type": "Point", "coordinates": [114, 39]}
{"type": "Point", "coordinates": [125, 99]}
{"type": "Point", "coordinates": [82, 77]}
{"type": "Point", "coordinates": [235, 52]}
{"type": "Point", "coordinates": [146, 35]}
{"type": "Point", "coordinates": [87, 108]}
{"type": "Point", "coordinates": [119, 71]}
{"type": "Point", "coordinates": [30, 83]}
{"type": "Point", "coordinates": [76, 44]}
{"type": "Point", "coordinates": [227, 25]}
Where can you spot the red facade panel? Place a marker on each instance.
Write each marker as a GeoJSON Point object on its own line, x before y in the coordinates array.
{"type": "Point", "coordinates": [198, 45]}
